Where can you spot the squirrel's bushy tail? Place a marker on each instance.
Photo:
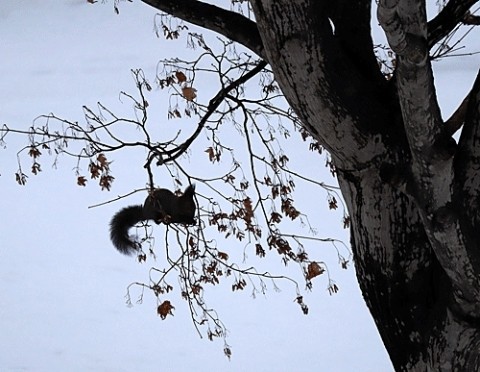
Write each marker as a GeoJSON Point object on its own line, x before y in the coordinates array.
{"type": "Point", "coordinates": [121, 222]}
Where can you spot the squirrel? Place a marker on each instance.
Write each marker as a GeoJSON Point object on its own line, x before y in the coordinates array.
{"type": "Point", "coordinates": [161, 205]}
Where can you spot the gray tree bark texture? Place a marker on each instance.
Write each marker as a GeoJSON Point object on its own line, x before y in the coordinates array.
{"type": "Point", "coordinates": [413, 193]}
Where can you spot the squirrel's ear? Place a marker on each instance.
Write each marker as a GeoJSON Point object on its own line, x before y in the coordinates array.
{"type": "Point", "coordinates": [190, 189]}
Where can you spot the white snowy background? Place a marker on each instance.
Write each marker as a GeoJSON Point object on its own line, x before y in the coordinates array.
{"type": "Point", "coordinates": [62, 284]}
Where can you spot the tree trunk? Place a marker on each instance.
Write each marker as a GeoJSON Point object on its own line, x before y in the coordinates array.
{"type": "Point", "coordinates": [396, 168]}
{"type": "Point", "coordinates": [416, 262]}
{"type": "Point", "coordinates": [404, 286]}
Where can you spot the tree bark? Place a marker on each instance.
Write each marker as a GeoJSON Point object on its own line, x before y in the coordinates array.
{"type": "Point", "coordinates": [411, 191]}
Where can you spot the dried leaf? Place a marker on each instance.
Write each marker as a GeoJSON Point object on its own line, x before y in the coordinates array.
{"type": "Point", "coordinates": [180, 77]}
{"type": "Point", "coordinates": [106, 182]}
{"type": "Point", "coordinates": [34, 152]}
{"type": "Point", "coordinates": [189, 93]}
{"type": "Point", "coordinates": [247, 204]}
{"type": "Point", "coordinates": [142, 257]}
{"type": "Point", "coordinates": [275, 217]}
{"type": "Point", "coordinates": [81, 181]}
{"type": "Point", "coordinates": [332, 202]}
{"type": "Point", "coordinates": [239, 285]}
{"type": "Point", "coordinates": [94, 170]}
{"type": "Point", "coordinates": [102, 160]}
{"type": "Point", "coordinates": [259, 250]}
{"type": "Point", "coordinates": [313, 270]}
{"type": "Point", "coordinates": [165, 309]}
{"type": "Point", "coordinates": [228, 352]}
{"type": "Point", "coordinates": [223, 256]}
{"type": "Point", "coordinates": [211, 154]}
{"type": "Point", "coordinates": [346, 222]}
{"type": "Point", "coordinates": [36, 168]}
{"type": "Point", "coordinates": [283, 160]}
{"type": "Point", "coordinates": [288, 208]}
{"type": "Point", "coordinates": [303, 306]}
{"type": "Point", "coordinates": [332, 288]}
{"type": "Point", "coordinates": [21, 178]}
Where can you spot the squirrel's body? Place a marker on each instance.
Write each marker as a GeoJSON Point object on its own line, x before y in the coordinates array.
{"type": "Point", "coordinates": [161, 205]}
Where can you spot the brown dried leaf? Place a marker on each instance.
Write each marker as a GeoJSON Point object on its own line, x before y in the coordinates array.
{"type": "Point", "coordinates": [106, 182]}
{"type": "Point", "coordinates": [223, 256]}
{"type": "Point", "coordinates": [102, 161]}
{"type": "Point", "coordinates": [189, 93]}
{"type": "Point", "coordinates": [346, 222]}
{"type": "Point", "coordinates": [313, 270]}
{"type": "Point", "coordinates": [288, 208]}
{"type": "Point", "coordinates": [275, 217]}
{"type": "Point", "coordinates": [142, 257]}
{"type": "Point", "coordinates": [303, 306]}
{"type": "Point", "coordinates": [229, 179]}
{"type": "Point", "coordinates": [244, 185]}
{"type": "Point", "coordinates": [332, 202]}
{"type": "Point", "coordinates": [81, 181]}
{"type": "Point", "coordinates": [165, 309]}
{"type": "Point", "coordinates": [247, 203]}
{"type": "Point", "coordinates": [196, 289]}
{"type": "Point", "coordinates": [332, 288]}
{"type": "Point", "coordinates": [239, 285]}
{"type": "Point", "coordinates": [94, 170]}
{"type": "Point", "coordinates": [211, 154]}
{"type": "Point", "coordinates": [21, 178]}
{"type": "Point", "coordinates": [259, 250]}
{"type": "Point", "coordinates": [36, 168]}
{"type": "Point", "coordinates": [34, 152]}
{"type": "Point", "coordinates": [283, 160]}
{"type": "Point", "coordinates": [228, 352]}
{"type": "Point", "coordinates": [275, 191]}
{"type": "Point", "coordinates": [180, 77]}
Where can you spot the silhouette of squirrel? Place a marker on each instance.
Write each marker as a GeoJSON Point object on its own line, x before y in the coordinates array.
{"type": "Point", "coordinates": [161, 205]}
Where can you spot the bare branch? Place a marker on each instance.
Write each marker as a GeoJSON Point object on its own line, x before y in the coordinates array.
{"type": "Point", "coordinates": [470, 19]}
{"type": "Point", "coordinates": [455, 11]}
{"type": "Point", "coordinates": [212, 107]}
{"type": "Point", "coordinates": [227, 23]}
{"type": "Point", "coordinates": [457, 119]}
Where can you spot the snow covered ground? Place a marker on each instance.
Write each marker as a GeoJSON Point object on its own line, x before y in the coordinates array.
{"type": "Point", "coordinates": [62, 284]}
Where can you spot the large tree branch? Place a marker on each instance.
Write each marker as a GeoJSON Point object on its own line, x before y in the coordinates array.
{"type": "Point", "coordinates": [405, 26]}
{"type": "Point", "coordinates": [467, 160]}
{"type": "Point", "coordinates": [457, 119]}
{"type": "Point", "coordinates": [352, 21]}
{"type": "Point", "coordinates": [227, 23]}
{"type": "Point", "coordinates": [319, 81]}
{"type": "Point", "coordinates": [465, 205]}
{"type": "Point", "coordinates": [404, 22]}
{"type": "Point", "coordinates": [453, 13]}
